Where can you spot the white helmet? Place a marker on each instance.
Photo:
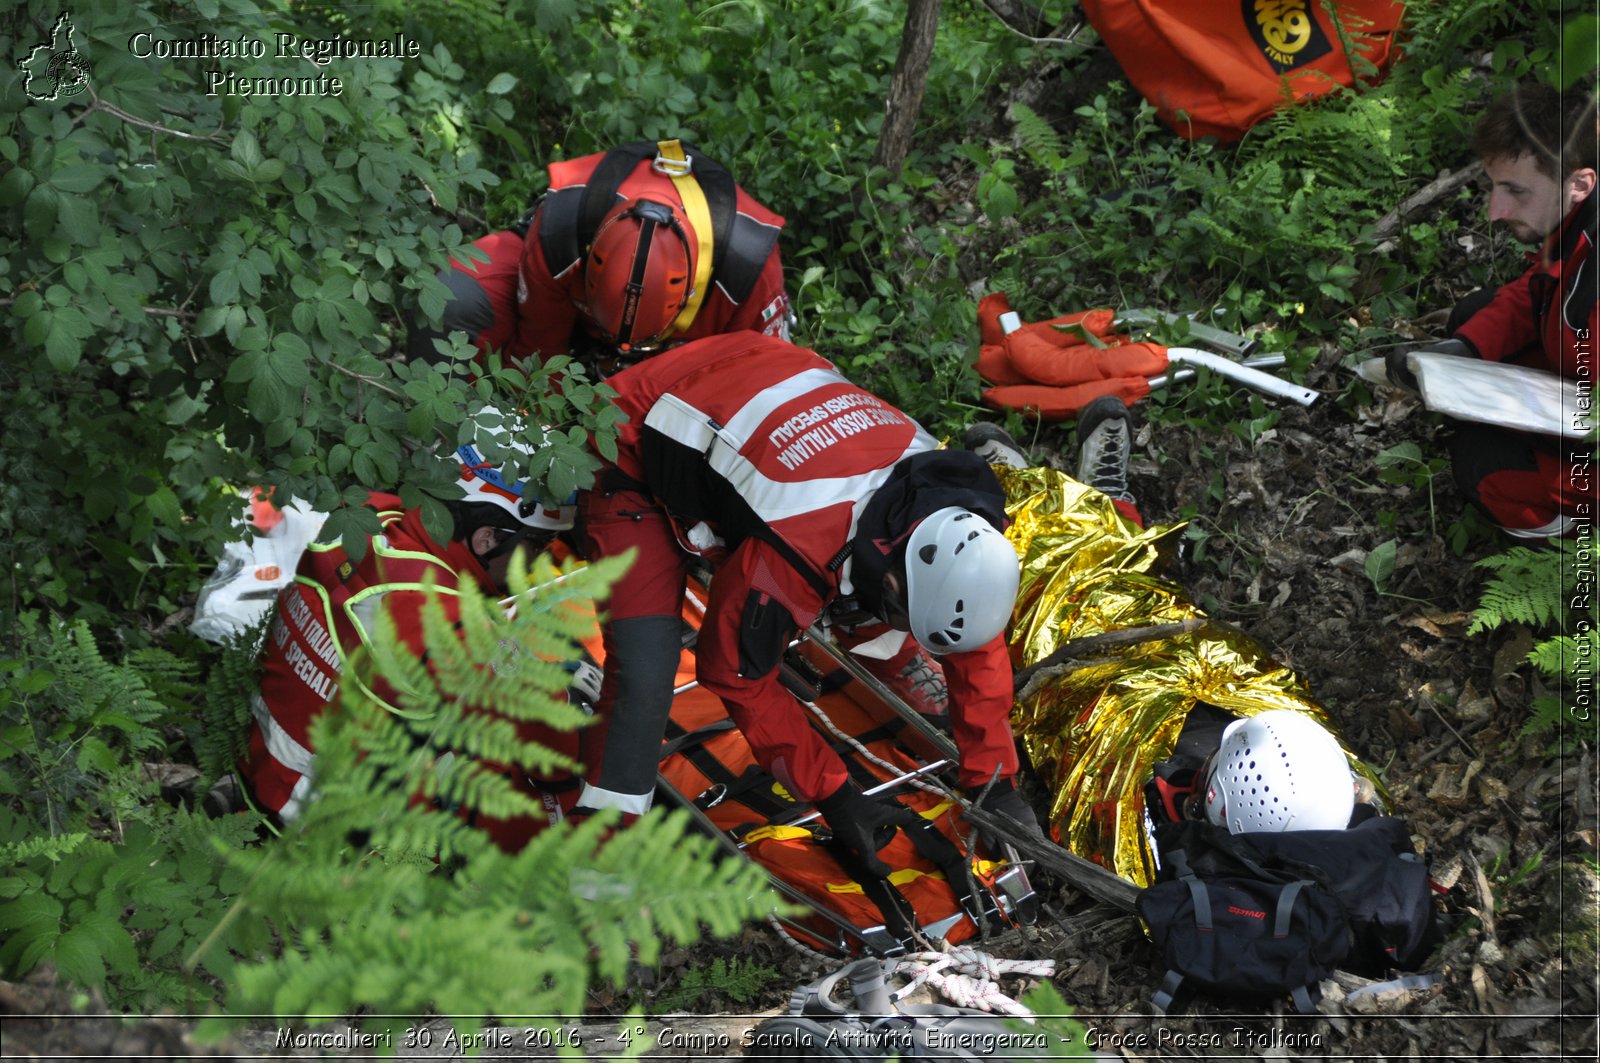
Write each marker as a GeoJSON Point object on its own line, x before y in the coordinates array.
{"type": "Point", "coordinates": [482, 480]}
{"type": "Point", "coordinates": [1276, 771]}
{"type": "Point", "coordinates": [961, 581]}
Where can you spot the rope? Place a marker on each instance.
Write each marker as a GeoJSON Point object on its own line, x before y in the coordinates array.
{"type": "Point", "coordinates": [795, 943]}
{"type": "Point", "coordinates": [867, 754]}
{"type": "Point", "coordinates": [968, 977]}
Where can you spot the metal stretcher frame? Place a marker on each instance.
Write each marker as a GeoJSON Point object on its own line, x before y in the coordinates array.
{"type": "Point", "coordinates": [1011, 895]}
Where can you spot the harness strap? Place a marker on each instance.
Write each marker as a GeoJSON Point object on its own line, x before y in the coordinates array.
{"type": "Point", "coordinates": [1202, 903]}
{"type": "Point", "coordinates": [1166, 992]}
{"type": "Point", "coordinates": [1285, 914]}
{"type": "Point", "coordinates": [672, 161]}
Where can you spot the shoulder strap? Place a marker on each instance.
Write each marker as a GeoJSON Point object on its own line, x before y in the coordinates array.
{"type": "Point", "coordinates": [600, 191]}
{"type": "Point", "coordinates": [558, 228]}
{"type": "Point", "coordinates": [744, 254]}
{"type": "Point", "coordinates": [570, 216]}
{"type": "Point", "coordinates": [1166, 992]}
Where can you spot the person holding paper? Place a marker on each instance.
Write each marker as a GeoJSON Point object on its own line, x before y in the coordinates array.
{"type": "Point", "coordinates": [1538, 147]}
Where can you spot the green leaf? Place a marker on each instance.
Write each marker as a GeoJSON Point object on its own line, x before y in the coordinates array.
{"type": "Point", "coordinates": [1380, 564]}
{"type": "Point", "coordinates": [501, 84]}
{"type": "Point", "coordinates": [61, 348]}
{"type": "Point", "coordinates": [33, 909]}
{"type": "Point", "coordinates": [15, 186]}
{"type": "Point", "coordinates": [39, 212]}
{"type": "Point", "coordinates": [210, 320]}
{"type": "Point", "coordinates": [224, 286]}
{"type": "Point", "coordinates": [1580, 47]}
{"type": "Point", "coordinates": [78, 956]}
{"type": "Point", "coordinates": [78, 178]}
{"type": "Point", "coordinates": [80, 220]}
{"type": "Point", "coordinates": [246, 149]}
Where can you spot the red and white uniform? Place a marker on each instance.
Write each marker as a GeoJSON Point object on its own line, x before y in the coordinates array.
{"type": "Point", "coordinates": [551, 294]}
{"type": "Point", "coordinates": [766, 447]}
{"type": "Point", "coordinates": [330, 611]}
{"type": "Point", "coordinates": [1547, 319]}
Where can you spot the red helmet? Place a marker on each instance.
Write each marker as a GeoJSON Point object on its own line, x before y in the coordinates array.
{"type": "Point", "coordinates": [639, 275]}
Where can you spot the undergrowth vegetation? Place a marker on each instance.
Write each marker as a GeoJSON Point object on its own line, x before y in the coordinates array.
{"type": "Point", "coordinates": [204, 293]}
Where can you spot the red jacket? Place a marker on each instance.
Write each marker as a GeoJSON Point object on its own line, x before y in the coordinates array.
{"type": "Point", "coordinates": [551, 292]}
{"type": "Point", "coordinates": [1551, 309]}
{"type": "Point", "coordinates": [328, 612]}
{"type": "Point", "coordinates": [766, 446]}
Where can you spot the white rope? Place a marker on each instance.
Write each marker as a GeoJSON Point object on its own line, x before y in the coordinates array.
{"type": "Point", "coordinates": [795, 943]}
{"type": "Point", "coordinates": [894, 769]}
{"type": "Point", "coordinates": [968, 977]}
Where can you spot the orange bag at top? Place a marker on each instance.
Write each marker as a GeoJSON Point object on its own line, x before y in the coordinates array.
{"type": "Point", "coordinates": [1226, 64]}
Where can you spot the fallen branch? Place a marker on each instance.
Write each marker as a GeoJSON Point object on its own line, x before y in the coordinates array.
{"type": "Point", "coordinates": [1025, 20]}
{"type": "Point", "coordinates": [1389, 224]}
{"type": "Point", "coordinates": [1081, 874]}
{"type": "Point", "coordinates": [1070, 656]}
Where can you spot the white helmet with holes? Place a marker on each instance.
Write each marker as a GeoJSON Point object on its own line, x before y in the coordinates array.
{"type": "Point", "coordinates": [961, 581]}
{"type": "Point", "coordinates": [1276, 771]}
{"type": "Point", "coordinates": [484, 478]}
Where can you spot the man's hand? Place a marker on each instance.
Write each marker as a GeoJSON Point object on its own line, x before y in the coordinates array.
{"type": "Point", "coordinates": [1399, 372]}
{"type": "Point", "coordinates": [865, 824]}
{"type": "Point", "coordinates": [1004, 799]}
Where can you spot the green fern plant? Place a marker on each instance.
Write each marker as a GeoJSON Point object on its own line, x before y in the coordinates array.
{"type": "Point", "coordinates": [75, 727]}
{"type": "Point", "coordinates": [223, 725]}
{"type": "Point", "coordinates": [740, 981]}
{"type": "Point", "coordinates": [1526, 588]}
{"type": "Point", "coordinates": [386, 903]}
{"type": "Point", "coordinates": [1040, 141]}
{"type": "Point", "coordinates": [1544, 590]}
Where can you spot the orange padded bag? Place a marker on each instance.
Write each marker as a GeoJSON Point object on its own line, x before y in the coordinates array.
{"type": "Point", "coordinates": [1217, 68]}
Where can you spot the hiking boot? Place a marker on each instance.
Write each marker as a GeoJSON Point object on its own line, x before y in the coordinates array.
{"type": "Point", "coordinates": [1104, 438]}
{"type": "Point", "coordinates": [994, 445]}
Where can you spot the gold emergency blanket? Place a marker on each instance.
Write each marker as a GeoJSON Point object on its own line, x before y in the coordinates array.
{"type": "Point", "coordinates": [1095, 734]}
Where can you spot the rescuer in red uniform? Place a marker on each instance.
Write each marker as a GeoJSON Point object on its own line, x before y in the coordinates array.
{"type": "Point", "coordinates": [804, 492]}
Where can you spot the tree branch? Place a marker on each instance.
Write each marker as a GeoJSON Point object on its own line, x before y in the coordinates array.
{"type": "Point", "coordinates": [353, 375]}
{"type": "Point", "coordinates": [1068, 658]}
{"type": "Point", "coordinates": [1389, 224]}
{"type": "Point", "coordinates": [1022, 18]}
{"type": "Point", "coordinates": [117, 112]}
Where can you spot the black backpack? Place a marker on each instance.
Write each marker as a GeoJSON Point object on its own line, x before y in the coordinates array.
{"type": "Point", "coordinates": [1381, 881]}
{"type": "Point", "coordinates": [1227, 924]}
{"type": "Point", "coordinates": [1370, 871]}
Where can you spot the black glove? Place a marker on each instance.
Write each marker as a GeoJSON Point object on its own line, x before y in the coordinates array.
{"type": "Point", "coordinates": [1004, 799]}
{"type": "Point", "coordinates": [863, 824]}
{"type": "Point", "coordinates": [1394, 363]}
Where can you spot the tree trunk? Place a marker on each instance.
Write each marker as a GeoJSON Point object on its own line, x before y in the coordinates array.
{"type": "Point", "coordinates": [907, 86]}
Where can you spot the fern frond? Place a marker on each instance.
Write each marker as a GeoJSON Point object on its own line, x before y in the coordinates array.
{"type": "Point", "coordinates": [1039, 139]}
{"type": "Point", "coordinates": [223, 728]}
{"type": "Point", "coordinates": [48, 848]}
{"type": "Point", "coordinates": [1525, 589]}
{"type": "Point", "coordinates": [1545, 714]}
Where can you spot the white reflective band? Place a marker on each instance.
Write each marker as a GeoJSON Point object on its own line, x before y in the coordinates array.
{"type": "Point", "coordinates": [760, 405]}
{"type": "Point", "coordinates": [284, 749]}
{"type": "Point", "coordinates": [771, 500]}
{"type": "Point", "coordinates": [1554, 530]}
{"type": "Point", "coordinates": [297, 800]}
{"type": "Point", "coordinates": [596, 798]}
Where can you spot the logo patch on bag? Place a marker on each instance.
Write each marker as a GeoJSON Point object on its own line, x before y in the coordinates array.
{"type": "Point", "coordinates": [1286, 32]}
